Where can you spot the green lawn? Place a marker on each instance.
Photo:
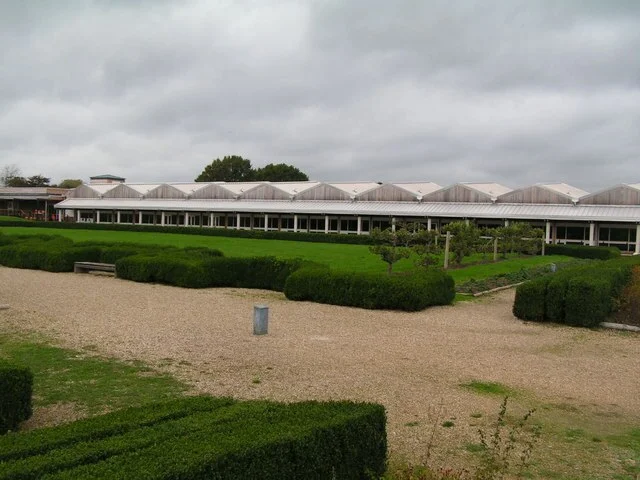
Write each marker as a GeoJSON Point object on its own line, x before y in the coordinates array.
{"type": "Point", "coordinates": [4, 218]}
{"type": "Point", "coordinates": [92, 384]}
{"type": "Point", "coordinates": [338, 256]}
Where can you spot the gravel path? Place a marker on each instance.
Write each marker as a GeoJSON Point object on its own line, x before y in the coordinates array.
{"type": "Point", "coordinates": [413, 363]}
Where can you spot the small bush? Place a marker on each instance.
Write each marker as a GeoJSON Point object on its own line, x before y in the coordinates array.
{"type": "Point", "coordinates": [581, 251]}
{"type": "Point", "coordinates": [16, 385]}
{"type": "Point", "coordinates": [587, 302]}
{"type": "Point", "coordinates": [554, 309]}
{"type": "Point", "coordinates": [529, 303]}
{"type": "Point", "coordinates": [374, 291]}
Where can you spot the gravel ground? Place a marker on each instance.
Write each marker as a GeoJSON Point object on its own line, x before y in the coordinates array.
{"type": "Point", "coordinates": [413, 363]}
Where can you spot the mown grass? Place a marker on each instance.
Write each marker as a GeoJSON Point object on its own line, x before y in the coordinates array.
{"type": "Point", "coordinates": [92, 384]}
{"type": "Point", "coordinates": [5, 218]}
{"type": "Point", "coordinates": [354, 258]}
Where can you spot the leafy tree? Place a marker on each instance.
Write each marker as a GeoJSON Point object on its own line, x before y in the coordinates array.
{"type": "Point", "coordinates": [464, 240]}
{"type": "Point", "coordinates": [518, 237]}
{"type": "Point", "coordinates": [17, 182]}
{"type": "Point", "coordinates": [237, 169]}
{"type": "Point", "coordinates": [390, 246]}
{"type": "Point", "coordinates": [425, 245]}
{"type": "Point", "coordinates": [38, 181]}
{"type": "Point", "coordinates": [280, 172]}
{"type": "Point", "coordinates": [7, 173]}
{"type": "Point", "coordinates": [70, 183]}
{"type": "Point", "coordinates": [230, 169]}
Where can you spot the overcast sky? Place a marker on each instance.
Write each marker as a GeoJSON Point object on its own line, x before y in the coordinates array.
{"type": "Point", "coordinates": [511, 91]}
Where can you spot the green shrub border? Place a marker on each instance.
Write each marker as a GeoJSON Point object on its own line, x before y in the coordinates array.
{"type": "Point", "coordinates": [205, 437]}
{"type": "Point", "coordinates": [16, 387]}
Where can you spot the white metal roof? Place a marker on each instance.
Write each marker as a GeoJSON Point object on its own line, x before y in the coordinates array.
{"type": "Point", "coordinates": [494, 190]}
{"type": "Point", "coordinates": [142, 188]}
{"type": "Point", "coordinates": [293, 188]}
{"type": "Point", "coordinates": [103, 188]}
{"type": "Point", "coordinates": [418, 188]}
{"type": "Point", "coordinates": [354, 188]}
{"type": "Point", "coordinates": [188, 188]}
{"type": "Point", "coordinates": [238, 188]}
{"type": "Point", "coordinates": [605, 213]}
{"type": "Point", "coordinates": [564, 189]}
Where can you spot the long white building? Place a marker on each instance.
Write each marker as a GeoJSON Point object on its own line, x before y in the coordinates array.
{"type": "Point", "coordinates": [610, 217]}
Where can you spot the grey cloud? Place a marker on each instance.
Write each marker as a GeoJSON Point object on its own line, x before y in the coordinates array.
{"type": "Point", "coordinates": [508, 91]}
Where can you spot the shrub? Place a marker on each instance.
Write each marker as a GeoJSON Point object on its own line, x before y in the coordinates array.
{"type": "Point", "coordinates": [582, 251]}
{"type": "Point", "coordinates": [211, 232]}
{"type": "Point", "coordinates": [555, 299]}
{"type": "Point", "coordinates": [373, 290]}
{"type": "Point", "coordinates": [529, 303]}
{"type": "Point", "coordinates": [16, 385]}
{"type": "Point", "coordinates": [218, 439]}
{"type": "Point", "coordinates": [588, 301]}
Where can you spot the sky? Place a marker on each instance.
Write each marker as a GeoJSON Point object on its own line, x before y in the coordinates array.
{"type": "Point", "coordinates": [512, 91]}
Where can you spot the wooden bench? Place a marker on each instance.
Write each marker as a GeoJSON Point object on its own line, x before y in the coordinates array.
{"type": "Point", "coordinates": [84, 267]}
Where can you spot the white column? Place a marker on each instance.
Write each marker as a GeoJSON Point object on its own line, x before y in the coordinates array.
{"type": "Point", "coordinates": [393, 224]}
{"type": "Point", "coordinates": [359, 225]}
{"type": "Point", "coordinates": [466, 221]}
{"type": "Point", "coordinates": [118, 217]}
{"type": "Point", "coordinates": [266, 222]}
{"type": "Point", "coordinates": [78, 216]}
{"type": "Point", "coordinates": [139, 217]}
{"type": "Point", "coordinates": [592, 234]}
{"type": "Point", "coordinates": [97, 216]}
{"type": "Point", "coordinates": [61, 213]}
{"type": "Point", "coordinates": [326, 224]}
{"type": "Point", "coordinates": [547, 235]}
{"type": "Point", "coordinates": [637, 252]}
{"type": "Point", "coordinates": [295, 223]}
{"type": "Point", "coordinates": [211, 218]}
{"type": "Point", "coordinates": [162, 219]}
{"type": "Point", "coordinates": [506, 223]}
{"type": "Point", "coordinates": [428, 224]}
{"type": "Point", "coordinates": [238, 221]}
{"type": "Point", "coordinates": [186, 219]}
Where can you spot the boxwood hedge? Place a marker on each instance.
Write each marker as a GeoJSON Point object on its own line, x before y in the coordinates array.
{"type": "Point", "coordinates": [16, 385]}
{"type": "Point", "coordinates": [410, 292]}
{"type": "Point", "coordinates": [202, 437]}
{"type": "Point", "coordinates": [582, 251]}
{"type": "Point", "coordinates": [581, 296]}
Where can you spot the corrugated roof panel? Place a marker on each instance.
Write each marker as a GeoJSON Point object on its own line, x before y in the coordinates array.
{"type": "Point", "coordinates": [103, 188]}
{"type": "Point", "coordinates": [354, 188]}
{"type": "Point", "coordinates": [418, 188]}
{"type": "Point", "coordinates": [565, 189]}
{"type": "Point", "coordinates": [238, 188]}
{"type": "Point", "coordinates": [606, 213]}
{"type": "Point", "coordinates": [494, 190]}
{"type": "Point", "coordinates": [141, 188]}
{"type": "Point", "coordinates": [188, 188]}
{"type": "Point", "coordinates": [293, 188]}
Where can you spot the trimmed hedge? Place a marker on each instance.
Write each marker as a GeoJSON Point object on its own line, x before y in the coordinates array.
{"type": "Point", "coordinates": [202, 437]}
{"type": "Point", "coordinates": [267, 273]}
{"type": "Point", "coordinates": [16, 386]}
{"type": "Point", "coordinates": [582, 251]}
{"type": "Point", "coordinates": [371, 290]}
{"type": "Point", "coordinates": [206, 231]}
{"type": "Point", "coordinates": [581, 296]}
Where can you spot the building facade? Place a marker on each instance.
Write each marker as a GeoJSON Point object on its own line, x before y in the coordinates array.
{"type": "Point", "coordinates": [568, 215]}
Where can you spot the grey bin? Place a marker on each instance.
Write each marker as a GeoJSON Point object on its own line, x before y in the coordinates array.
{"type": "Point", "coordinates": [260, 319]}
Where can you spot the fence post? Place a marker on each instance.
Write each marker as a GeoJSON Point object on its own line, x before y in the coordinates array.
{"type": "Point", "coordinates": [495, 249]}
{"type": "Point", "coordinates": [446, 250]}
{"type": "Point", "coordinates": [544, 242]}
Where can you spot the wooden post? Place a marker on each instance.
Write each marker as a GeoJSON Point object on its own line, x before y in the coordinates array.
{"type": "Point", "coordinates": [446, 250]}
{"type": "Point", "coordinates": [495, 249]}
{"type": "Point", "coordinates": [544, 243]}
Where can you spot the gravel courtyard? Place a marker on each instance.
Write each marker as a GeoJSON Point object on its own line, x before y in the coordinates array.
{"type": "Point", "coordinates": [413, 363]}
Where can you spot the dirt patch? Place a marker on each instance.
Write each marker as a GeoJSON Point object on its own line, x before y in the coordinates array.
{"type": "Point", "coordinates": [52, 415]}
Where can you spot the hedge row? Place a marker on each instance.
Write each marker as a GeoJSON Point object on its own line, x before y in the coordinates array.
{"type": "Point", "coordinates": [211, 232]}
{"type": "Point", "coordinates": [371, 290]}
{"type": "Point", "coordinates": [201, 437]}
{"type": "Point", "coordinates": [16, 386]}
{"type": "Point", "coordinates": [582, 296]}
{"type": "Point", "coordinates": [581, 251]}
{"type": "Point", "coordinates": [57, 254]}
{"type": "Point", "coordinates": [267, 273]}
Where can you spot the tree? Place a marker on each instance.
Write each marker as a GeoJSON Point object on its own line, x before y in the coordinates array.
{"type": "Point", "coordinates": [390, 246]}
{"type": "Point", "coordinates": [17, 182]}
{"type": "Point", "coordinates": [230, 169]}
{"type": "Point", "coordinates": [38, 181]}
{"type": "Point", "coordinates": [517, 237]}
{"type": "Point", "coordinates": [280, 172]}
{"type": "Point", "coordinates": [7, 173]}
{"type": "Point", "coordinates": [464, 240]}
{"type": "Point", "coordinates": [70, 183]}
{"type": "Point", "coordinates": [237, 169]}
